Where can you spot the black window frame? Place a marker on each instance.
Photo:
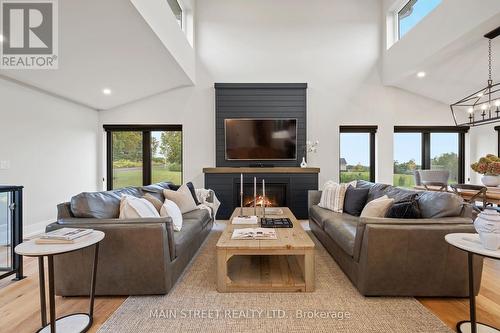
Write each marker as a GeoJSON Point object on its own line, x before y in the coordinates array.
{"type": "Point", "coordinates": [367, 129]}
{"type": "Point", "coordinates": [497, 128]}
{"type": "Point", "coordinates": [146, 148]}
{"type": "Point", "coordinates": [426, 143]}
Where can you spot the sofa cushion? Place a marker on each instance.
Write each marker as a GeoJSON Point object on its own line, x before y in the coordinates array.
{"type": "Point", "coordinates": [319, 215]}
{"type": "Point", "coordinates": [440, 204]}
{"type": "Point", "coordinates": [200, 215]}
{"type": "Point", "coordinates": [101, 205]}
{"type": "Point", "coordinates": [355, 200]}
{"type": "Point", "coordinates": [342, 229]}
{"type": "Point", "coordinates": [183, 239]}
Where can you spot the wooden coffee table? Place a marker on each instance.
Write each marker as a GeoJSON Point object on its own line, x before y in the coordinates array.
{"type": "Point", "coordinates": [285, 264]}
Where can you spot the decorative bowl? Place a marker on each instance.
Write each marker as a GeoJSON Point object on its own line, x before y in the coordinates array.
{"type": "Point", "coordinates": [487, 225]}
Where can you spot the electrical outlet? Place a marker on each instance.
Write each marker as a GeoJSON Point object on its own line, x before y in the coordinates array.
{"type": "Point", "coordinates": [4, 165]}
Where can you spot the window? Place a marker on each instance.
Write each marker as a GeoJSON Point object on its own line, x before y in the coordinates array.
{"type": "Point", "coordinates": [357, 153]}
{"type": "Point", "coordinates": [177, 10]}
{"type": "Point", "coordinates": [412, 13]}
{"type": "Point", "coordinates": [407, 158]}
{"type": "Point", "coordinates": [444, 154]}
{"type": "Point", "coordinates": [497, 128]}
{"type": "Point", "coordinates": [143, 154]}
{"type": "Point", "coordinates": [428, 148]}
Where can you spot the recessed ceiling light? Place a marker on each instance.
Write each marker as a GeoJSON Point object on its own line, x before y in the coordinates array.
{"type": "Point", "coordinates": [421, 74]}
{"type": "Point", "coordinates": [106, 91]}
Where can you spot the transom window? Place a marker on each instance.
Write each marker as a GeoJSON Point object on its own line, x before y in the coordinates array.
{"type": "Point", "coordinates": [143, 154]}
{"type": "Point", "coordinates": [412, 13]}
{"type": "Point", "coordinates": [177, 10]}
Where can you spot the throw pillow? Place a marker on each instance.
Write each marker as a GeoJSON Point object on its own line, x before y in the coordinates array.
{"type": "Point", "coordinates": [132, 208]}
{"type": "Point", "coordinates": [377, 207]}
{"type": "Point", "coordinates": [182, 198]}
{"type": "Point", "coordinates": [355, 200]}
{"type": "Point", "coordinates": [170, 209]}
{"type": "Point", "coordinates": [154, 201]}
{"type": "Point", "coordinates": [333, 195]}
{"type": "Point", "coordinates": [191, 189]}
{"type": "Point", "coordinates": [405, 209]}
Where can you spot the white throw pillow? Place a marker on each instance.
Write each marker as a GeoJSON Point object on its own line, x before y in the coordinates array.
{"type": "Point", "coordinates": [132, 208]}
{"type": "Point", "coordinates": [170, 209]}
{"type": "Point", "coordinates": [377, 207]}
{"type": "Point", "coordinates": [333, 195]}
{"type": "Point", "coordinates": [182, 198]}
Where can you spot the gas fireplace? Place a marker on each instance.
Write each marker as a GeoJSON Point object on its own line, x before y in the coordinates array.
{"type": "Point", "coordinates": [275, 195]}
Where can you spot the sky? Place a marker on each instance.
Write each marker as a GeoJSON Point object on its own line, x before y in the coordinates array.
{"type": "Point", "coordinates": [354, 147]}
{"type": "Point", "coordinates": [420, 10]}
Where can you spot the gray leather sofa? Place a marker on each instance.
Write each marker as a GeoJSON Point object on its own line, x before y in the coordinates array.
{"type": "Point", "coordinates": [399, 257]}
{"type": "Point", "coordinates": [137, 256]}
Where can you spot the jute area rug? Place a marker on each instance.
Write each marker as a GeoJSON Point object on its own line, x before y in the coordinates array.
{"type": "Point", "coordinates": [194, 305]}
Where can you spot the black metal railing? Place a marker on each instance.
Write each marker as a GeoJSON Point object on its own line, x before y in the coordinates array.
{"type": "Point", "coordinates": [11, 230]}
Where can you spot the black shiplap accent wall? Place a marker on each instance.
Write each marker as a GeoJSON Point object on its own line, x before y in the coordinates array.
{"type": "Point", "coordinates": [260, 100]}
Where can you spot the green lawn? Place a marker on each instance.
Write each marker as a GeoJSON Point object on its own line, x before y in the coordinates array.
{"type": "Point", "coordinates": [349, 176]}
{"type": "Point", "coordinates": [133, 176]}
{"type": "Point", "coordinates": [400, 180]}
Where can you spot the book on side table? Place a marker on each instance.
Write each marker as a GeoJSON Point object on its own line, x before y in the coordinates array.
{"type": "Point", "coordinates": [63, 236]}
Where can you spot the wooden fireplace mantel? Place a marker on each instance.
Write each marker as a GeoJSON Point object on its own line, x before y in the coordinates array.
{"type": "Point", "coordinates": [261, 170]}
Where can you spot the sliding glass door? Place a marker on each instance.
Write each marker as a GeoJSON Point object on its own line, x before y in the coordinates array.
{"type": "Point", "coordinates": [143, 154]}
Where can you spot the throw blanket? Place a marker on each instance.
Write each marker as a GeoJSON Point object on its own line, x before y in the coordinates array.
{"type": "Point", "coordinates": [208, 201]}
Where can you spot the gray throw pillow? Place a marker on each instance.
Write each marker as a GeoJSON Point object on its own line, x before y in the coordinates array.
{"type": "Point", "coordinates": [355, 200]}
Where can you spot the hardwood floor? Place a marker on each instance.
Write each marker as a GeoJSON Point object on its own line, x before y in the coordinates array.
{"type": "Point", "coordinates": [19, 302]}
{"type": "Point", "coordinates": [453, 310]}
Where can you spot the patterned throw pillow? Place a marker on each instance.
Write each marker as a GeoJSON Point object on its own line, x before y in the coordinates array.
{"type": "Point", "coordinates": [333, 196]}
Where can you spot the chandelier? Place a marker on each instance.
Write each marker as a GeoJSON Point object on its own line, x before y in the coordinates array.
{"type": "Point", "coordinates": [483, 106]}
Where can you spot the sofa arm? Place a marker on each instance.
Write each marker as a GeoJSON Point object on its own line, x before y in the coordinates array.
{"type": "Point", "coordinates": [138, 253]}
{"type": "Point", "coordinates": [314, 197]}
{"type": "Point", "coordinates": [138, 223]}
{"type": "Point", "coordinates": [64, 210]}
{"type": "Point", "coordinates": [390, 221]}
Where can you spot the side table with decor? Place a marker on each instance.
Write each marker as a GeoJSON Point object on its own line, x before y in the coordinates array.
{"type": "Point", "coordinates": [74, 323]}
{"type": "Point", "coordinates": [485, 243]}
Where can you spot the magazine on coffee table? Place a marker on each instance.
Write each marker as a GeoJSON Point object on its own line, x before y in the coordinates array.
{"type": "Point", "coordinates": [254, 233]}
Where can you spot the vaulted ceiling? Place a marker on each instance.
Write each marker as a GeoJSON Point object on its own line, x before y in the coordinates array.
{"type": "Point", "coordinates": [106, 44]}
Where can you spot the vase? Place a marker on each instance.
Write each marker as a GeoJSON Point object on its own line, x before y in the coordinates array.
{"type": "Point", "coordinates": [490, 181]}
{"type": "Point", "coordinates": [304, 163]}
{"type": "Point", "coordinates": [487, 225]}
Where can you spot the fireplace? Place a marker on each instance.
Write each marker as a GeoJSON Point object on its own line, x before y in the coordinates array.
{"type": "Point", "coordinates": [275, 195]}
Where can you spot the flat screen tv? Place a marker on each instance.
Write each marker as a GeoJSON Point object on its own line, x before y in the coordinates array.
{"type": "Point", "coordinates": [261, 139]}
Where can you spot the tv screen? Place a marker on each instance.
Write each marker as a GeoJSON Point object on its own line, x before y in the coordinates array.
{"type": "Point", "coordinates": [261, 139]}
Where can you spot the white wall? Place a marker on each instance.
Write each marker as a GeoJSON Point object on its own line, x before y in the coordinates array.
{"type": "Point", "coordinates": [51, 146]}
{"type": "Point", "coordinates": [333, 45]}
{"type": "Point", "coordinates": [191, 107]}
{"type": "Point", "coordinates": [483, 141]}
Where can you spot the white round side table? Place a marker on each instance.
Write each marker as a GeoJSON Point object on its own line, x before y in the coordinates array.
{"type": "Point", "coordinates": [471, 244]}
{"type": "Point", "coordinates": [74, 323]}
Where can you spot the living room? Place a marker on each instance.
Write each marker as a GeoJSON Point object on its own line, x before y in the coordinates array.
{"type": "Point", "coordinates": [156, 94]}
